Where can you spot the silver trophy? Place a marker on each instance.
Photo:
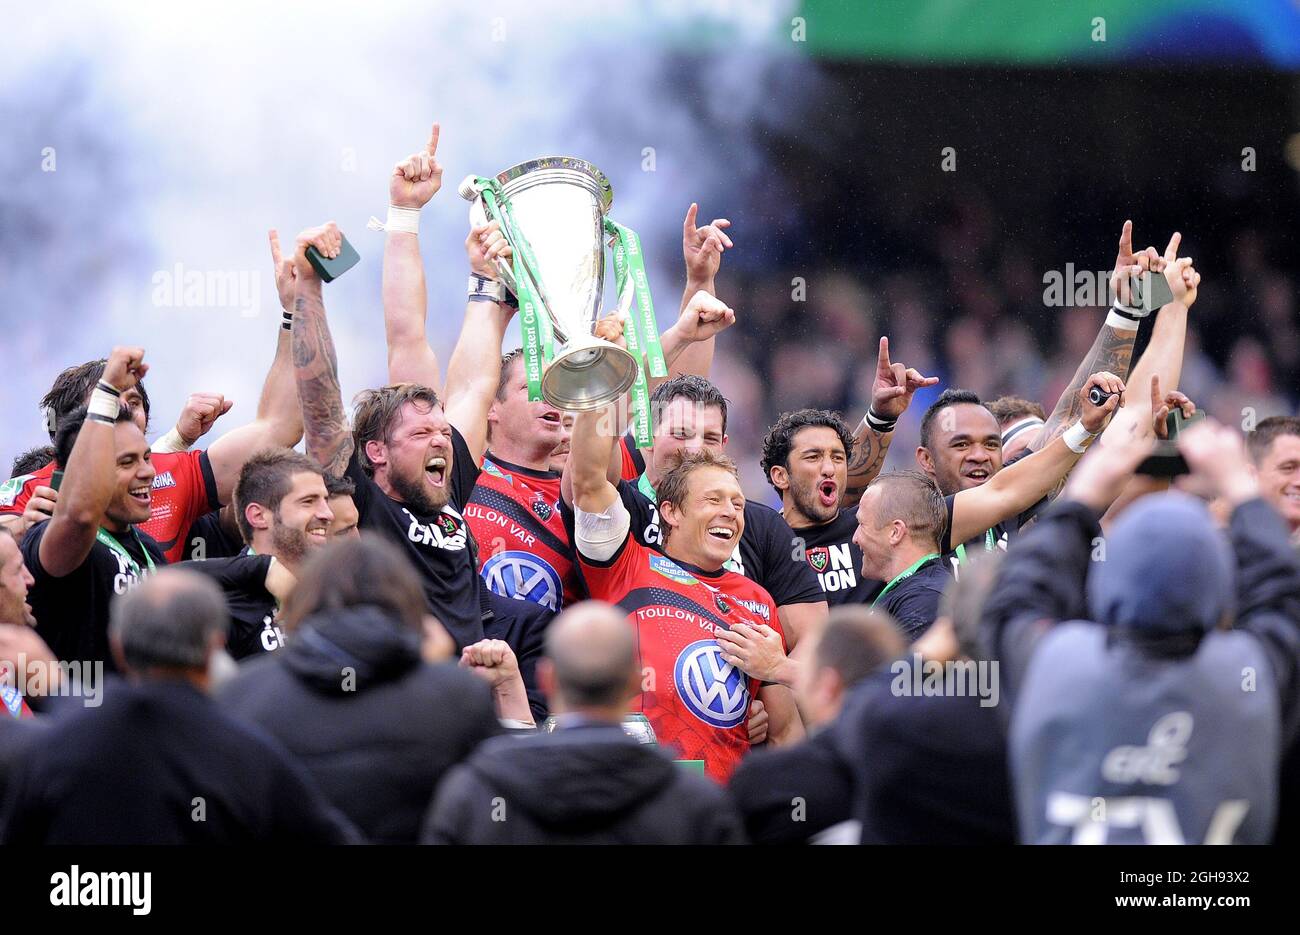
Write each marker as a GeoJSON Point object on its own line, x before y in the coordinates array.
{"type": "Point", "coordinates": [558, 204]}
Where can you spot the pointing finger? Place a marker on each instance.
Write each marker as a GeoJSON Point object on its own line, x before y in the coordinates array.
{"type": "Point", "coordinates": [432, 146]}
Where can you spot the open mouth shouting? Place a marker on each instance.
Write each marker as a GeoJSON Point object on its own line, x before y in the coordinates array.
{"type": "Point", "coordinates": [435, 471]}
{"type": "Point", "coordinates": [828, 493]}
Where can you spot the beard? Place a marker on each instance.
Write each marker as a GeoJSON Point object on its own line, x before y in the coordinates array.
{"type": "Point", "coordinates": [14, 611]}
{"type": "Point", "coordinates": [806, 502]}
{"type": "Point", "coordinates": [417, 496]}
{"type": "Point", "coordinates": [288, 543]}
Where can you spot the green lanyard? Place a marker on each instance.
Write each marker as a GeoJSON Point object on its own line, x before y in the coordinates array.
{"type": "Point", "coordinates": [989, 546]}
{"type": "Point", "coordinates": [106, 537]}
{"type": "Point", "coordinates": [643, 485]}
{"type": "Point", "coordinates": [905, 573]}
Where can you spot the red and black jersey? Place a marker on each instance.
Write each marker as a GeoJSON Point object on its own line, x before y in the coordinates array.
{"type": "Point", "coordinates": [697, 704]}
{"type": "Point", "coordinates": [524, 534]}
{"type": "Point", "coordinates": [183, 490]}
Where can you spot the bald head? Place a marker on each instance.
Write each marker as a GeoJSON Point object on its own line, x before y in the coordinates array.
{"type": "Point", "coordinates": [172, 620]}
{"type": "Point", "coordinates": [591, 655]}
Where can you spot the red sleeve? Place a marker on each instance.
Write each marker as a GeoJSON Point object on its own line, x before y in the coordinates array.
{"type": "Point", "coordinates": [15, 492]}
{"type": "Point", "coordinates": [633, 461]}
{"type": "Point", "coordinates": [612, 580]}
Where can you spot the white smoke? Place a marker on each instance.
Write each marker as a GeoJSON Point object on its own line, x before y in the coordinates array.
{"type": "Point", "coordinates": [180, 133]}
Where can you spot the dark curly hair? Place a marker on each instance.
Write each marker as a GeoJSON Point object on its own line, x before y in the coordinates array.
{"type": "Point", "coordinates": [780, 437]}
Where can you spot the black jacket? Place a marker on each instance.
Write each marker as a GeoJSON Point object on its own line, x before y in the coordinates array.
{"type": "Point", "coordinates": [374, 725]}
{"type": "Point", "coordinates": [159, 763]}
{"type": "Point", "coordinates": [789, 795]}
{"type": "Point", "coordinates": [580, 785]}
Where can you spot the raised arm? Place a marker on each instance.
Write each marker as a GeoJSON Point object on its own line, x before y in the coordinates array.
{"type": "Point", "coordinates": [1163, 356]}
{"type": "Point", "coordinates": [1113, 349]}
{"type": "Point", "coordinates": [278, 423]}
{"type": "Point", "coordinates": [1015, 489]}
{"type": "Point", "coordinates": [316, 367]}
{"type": "Point", "coordinates": [414, 181]}
{"type": "Point", "coordinates": [891, 394]}
{"type": "Point", "coordinates": [702, 318]}
{"type": "Point", "coordinates": [475, 366]}
{"type": "Point", "coordinates": [90, 476]}
{"type": "Point", "coordinates": [702, 249]}
{"type": "Point", "coordinates": [589, 451]}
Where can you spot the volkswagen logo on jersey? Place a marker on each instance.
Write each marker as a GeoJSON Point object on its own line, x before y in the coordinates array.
{"type": "Point", "coordinates": [524, 577]}
{"type": "Point", "coordinates": [714, 691]}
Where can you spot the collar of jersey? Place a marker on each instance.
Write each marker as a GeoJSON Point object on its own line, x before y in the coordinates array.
{"type": "Point", "coordinates": [517, 469]}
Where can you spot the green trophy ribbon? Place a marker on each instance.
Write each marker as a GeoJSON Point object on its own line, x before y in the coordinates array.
{"type": "Point", "coordinates": [534, 324]}
{"type": "Point", "coordinates": [642, 331]}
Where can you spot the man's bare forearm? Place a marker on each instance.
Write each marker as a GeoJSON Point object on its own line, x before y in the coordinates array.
{"type": "Point", "coordinates": [410, 359]}
{"type": "Point", "coordinates": [1112, 352]}
{"type": "Point", "coordinates": [1163, 357]}
{"type": "Point", "coordinates": [316, 369]}
{"type": "Point", "coordinates": [869, 450]}
{"type": "Point", "coordinates": [696, 358]}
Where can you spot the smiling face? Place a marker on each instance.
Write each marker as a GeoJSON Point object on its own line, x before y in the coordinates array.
{"type": "Point", "coordinates": [302, 519]}
{"type": "Point", "coordinates": [15, 580]}
{"type": "Point", "coordinates": [815, 474]}
{"type": "Point", "coordinates": [965, 448]}
{"type": "Point", "coordinates": [1279, 477]}
{"type": "Point", "coordinates": [414, 463]}
{"type": "Point", "coordinates": [684, 426]}
{"type": "Point", "coordinates": [515, 422]}
{"type": "Point", "coordinates": [706, 527]}
{"type": "Point", "coordinates": [876, 542]}
{"type": "Point", "coordinates": [133, 493]}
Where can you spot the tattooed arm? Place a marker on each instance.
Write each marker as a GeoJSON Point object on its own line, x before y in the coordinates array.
{"type": "Point", "coordinates": [1112, 351]}
{"type": "Point", "coordinates": [316, 368]}
{"type": "Point", "coordinates": [891, 394]}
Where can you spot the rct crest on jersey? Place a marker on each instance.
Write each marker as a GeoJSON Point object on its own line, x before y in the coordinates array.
{"type": "Point", "coordinates": [524, 577]}
{"type": "Point", "coordinates": [541, 508]}
{"type": "Point", "coordinates": [818, 558]}
{"type": "Point", "coordinates": [712, 689]}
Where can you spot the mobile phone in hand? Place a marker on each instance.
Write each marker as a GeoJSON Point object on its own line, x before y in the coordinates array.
{"type": "Point", "coordinates": [56, 479]}
{"type": "Point", "coordinates": [331, 269]}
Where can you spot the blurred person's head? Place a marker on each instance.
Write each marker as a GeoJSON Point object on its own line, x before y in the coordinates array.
{"type": "Point", "coordinates": [1168, 572]}
{"type": "Point", "coordinates": [854, 641]}
{"type": "Point", "coordinates": [522, 432]}
{"type": "Point", "coordinates": [71, 391]}
{"type": "Point", "coordinates": [690, 415]}
{"type": "Point", "coordinates": [702, 509]}
{"type": "Point", "coordinates": [1274, 449]}
{"type": "Point", "coordinates": [1019, 419]}
{"type": "Point", "coordinates": [171, 625]}
{"type": "Point", "coordinates": [961, 443]}
{"type": "Point", "coordinates": [403, 439]}
{"type": "Point", "coordinates": [805, 458]}
{"type": "Point", "coordinates": [133, 471]}
{"type": "Point", "coordinates": [33, 459]}
{"type": "Point", "coordinates": [901, 517]}
{"type": "Point", "coordinates": [955, 633]}
{"type": "Point", "coordinates": [346, 523]}
{"type": "Point", "coordinates": [1249, 368]}
{"type": "Point", "coordinates": [590, 666]}
{"type": "Point", "coordinates": [15, 580]}
{"type": "Point", "coordinates": [281, 505]}
{"type": "Point", "coordinates": [365, 571]}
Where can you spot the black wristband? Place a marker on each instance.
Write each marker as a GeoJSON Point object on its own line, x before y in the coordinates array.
{"type": "Point", "coordinates": [99, 417]}
{"type": "Point", "coordinates": [108, 388]}
{"type": "Point", "coordinates": [877, 424]}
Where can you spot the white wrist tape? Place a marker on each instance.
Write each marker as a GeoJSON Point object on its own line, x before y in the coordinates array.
{"type": "Point", "coordinates": [1123, 318]}
{"type": "Point", "coordinates": [103, 403]}
{"type": "Point", "coordinates": [401, 220]}
{"type": "Point", "coordinates": [1076, 437]}
{"type": "Point", "coordinates": [172, 442]}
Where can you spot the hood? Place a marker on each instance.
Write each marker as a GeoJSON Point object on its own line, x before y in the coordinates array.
{"type": "Point", "coordinates": [580, 778]}
{"type": "Point", "coordinates": [1167, 569]}
{"type": "Point", "coordinates": [350, 650]}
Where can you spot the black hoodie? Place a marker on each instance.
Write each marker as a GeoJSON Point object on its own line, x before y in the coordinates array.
{"type": "Point", "coordinates": [589, 784]}
{"type": "Point", "coordinates": [374, 725]}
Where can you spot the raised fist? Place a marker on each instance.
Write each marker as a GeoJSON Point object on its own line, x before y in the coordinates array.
{"type": "Point", "coordinates": [125, 368]}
